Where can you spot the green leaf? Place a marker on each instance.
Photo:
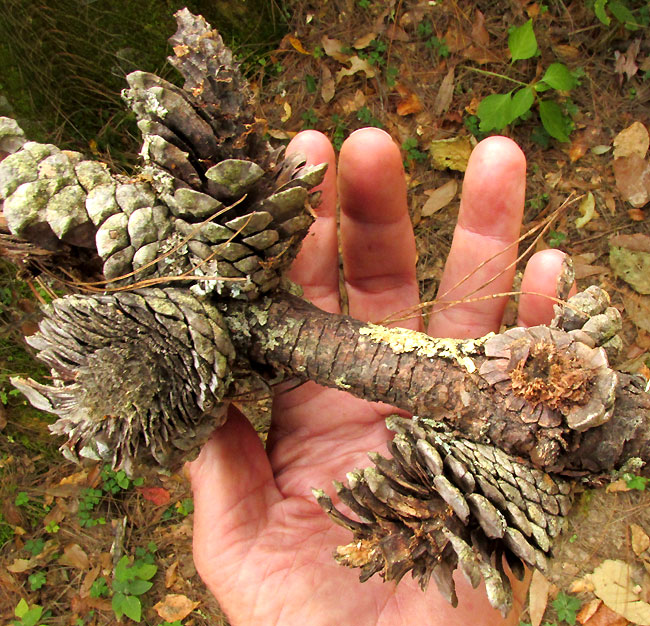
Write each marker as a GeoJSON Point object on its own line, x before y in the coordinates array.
{"type": "Point", "coordinates": [599, 10]}
{"type": "Point", "coordinates": [559, 77]}
{"type": "Point", "coordinates": [123, 571]}
{"type": "Point", "coordinates": [132, 607]}
{"type": "Point", "coordinates": [32, 616]}
{"type": "Point", "coordinates": [566, 606]}
{"type": "Point", "coordinates": [21, 608]}
{"type": "Point", "coordinates": [623, 14]}
{"type": "Point", "coordinates": [494, 112]}
{"type": "Point", "coordinates": [521, 103]}
{"type": "Point", "coordinates": [138, 587]}
{"type": "Point", "coordinates": [522, 41]}
{"type": "Point", "coordinates": [145, 571]}
{"type": "Point", "coordinates": [556, 124]}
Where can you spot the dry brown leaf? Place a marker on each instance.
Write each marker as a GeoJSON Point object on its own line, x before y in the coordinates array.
{"type": "Point", "coordinates": [587, 610]}
{"type": "Point", "coordinates": [632, 175]}
{"type": "Point", "coordinates": [332, 48]}
{"type": "Point", "coordinates": [328, 86]}
{"type": "Point", "coordinates": [409, 103]}
{"type": "Point", "coordinates": [175, 607]}
{"type": "Point", "coordinates": [22, 565]}
{"type": "Point", "coordinates": [171, 574]}
{"type": "Point", "coordinates": [439, 198]}
{"type": "Point", "coordinates": [74, 556]}
{"type": "Point", "coordinates": [613, 585]}
{"type": "Point", "coordinates": [538, 597]}
{"type": "Point", "coordinates": [277, 133]}
{"type": "Point", "coordinates": [639, 539]}
{"type": "Point", "coordinates": [88, 581]}
{"type": "Point", "coordinates": [637, 242]}
{"type": "Point", "coordinates": [626, 63]}
{"type": "Point", "coordinates": [445, 93]}
{"type": "Point", "coordinates": [456, 39]}
{"type": "Point", "coordinates": [356, 65]}
{"type": "Point", "coordinates": [568, 53]}
{"type": "Point", "coordinates": [632, 140]}
{"type": "Point", "coordinates": [617, 486]}
{"type": "Point", "coordinates": [604, 616]}
{"type": "Point", "coordinates": [352, 102]}
{"type": "Point", "coordinates": [395, 33]}
{"type": "Point", "coordinates": [296, 43]}
{"type": "Point", "coordinates": [479, 32]}
{"type": "Point", "coordinates": [580, 585]}
{"type": "Point", "coordinates": [364, 42]}
{"type": "Point", "coordinates": [636, 215]}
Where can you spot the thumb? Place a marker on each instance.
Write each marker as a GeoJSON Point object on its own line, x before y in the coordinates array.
{"type": "Point", "coordinates": [233, 486]}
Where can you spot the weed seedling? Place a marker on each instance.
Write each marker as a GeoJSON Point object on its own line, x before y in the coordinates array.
{"type": "Point", "coordinates": [338, 134]}
{"type": "Point", "coordinates": [99, 589]}
{"type": "Point", "coordinates": [36, 580]}
{"type": "Point", "coordinates": [413, 153]}
{"type": "Point", "coordinates": [309, 119]}
{"type": "Point", "coordinates": [365, 116]}
{"type": "Point", "coordinates": [633, 481]}
{"type": "Point", "coordinates": [130, 581]}
{"type": "Point", "coordinates": [27, 616]}
{"type": "Point", "coordinates": [567, 607]}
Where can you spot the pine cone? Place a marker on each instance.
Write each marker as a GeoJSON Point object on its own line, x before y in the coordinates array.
{"type": "Point", "coordinates": [442, 502]}
{"type": "Point", "coordinates": [137, 376]}
{"type": "Point", "coordinates": [214, 204]}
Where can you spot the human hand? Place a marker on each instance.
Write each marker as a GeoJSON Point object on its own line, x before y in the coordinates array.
{"type": "Point", "coordinates": [262, 544]}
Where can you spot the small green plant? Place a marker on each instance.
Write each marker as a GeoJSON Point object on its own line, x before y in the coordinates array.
{"type": "Point", "coordinates": [22, 499]}
{"type": "Point", "coordinates": [309, 119]}
{"type": "Point", "coordinates": [566, 606]}
{"type": "Point", "coordinates": [318, 52]}
{"type": "Point", "coordinates": [99, 589]}
{"type": "Point", "coordinates": [37, 580]}
{"type": "Point", "coordinates": [115, 481]}
{"type": "Point", "coordinates": [413, 153]}
{"type": "Point", "coordinates": [621, 12]}
{"type": "Point", "coordinates": [633, 481]}
{"type": "Point", "coordinates": [35, 546]}
{"type": "Point", "coordinates": [364, 4]}
{"type": "Point", "coordinates": [338, 134]}
{"type": "Point", "coordinates": [27, 616]}
{"type": "Point", "coordinates": [90, 498]}
{"type": "Point", "coordinates": [52, 527]}
{"type": "Point", "coordinates": [130, 581]}
{"type": "Point", "coordinates": [556, 238]}
{"type": "Point", "coordinates": [375, 54]}
{"type": "Point", "coordinates": [365, 116]}
{"type": "Point", "coordinates": [310, 83]}
{"type": "Point", "coordinates": [437, 46]}
{"type": "Point", "coordinates": [497, 111]}
{"type": "Point", "coordinates": [391, 74]}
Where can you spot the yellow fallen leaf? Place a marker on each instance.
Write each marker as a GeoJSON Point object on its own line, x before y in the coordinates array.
{"type": "Point", "coordinates": [439, 198]}
{"type": "Point", "coordinates": [613, 585]}
{"type": "Point", "coordinates": [332, 48]}
{"type": "Point", "coordinates": [295, 42]}
{"type": "Point", "coordinates": [587, 210]}
{"type": "Point", "coordinates": [364, 42]}
{"type": "Point", "coordinates": [451, 153]}
{"type": "Point", "coordinates": [287, 112]}
{"type": "Point", "coordinates": [639, 539]}
{"type": "Point", "coordinates": [632, 140]}
{"type": "Point", "coordinates": [175, 607]}
{"type": "Point", "coordinates": [356, 65]}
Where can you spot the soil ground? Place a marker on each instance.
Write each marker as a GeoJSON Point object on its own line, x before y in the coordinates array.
{"type": "Point", "coordinates": [420, 71]}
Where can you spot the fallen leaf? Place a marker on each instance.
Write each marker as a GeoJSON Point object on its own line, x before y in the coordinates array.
{"type": "Point", "coordinates": [332, 48]}
{"type": "Point", "coordinates": [479, 32]}
{"type": "Point", "coordinates": [604, 616]}
{"type": "Point", "coordinates": [88, 581]}
{"type": "Point", "coordinates": [538, 597]}
{"type": "Point", "coordinates": [613, 585]}
{"type": "Point", "coordinates": [636, 215]}
{"type": "Point", "coordinates": [287, 112]}
{"type": "Point", "coordinates": [22, 565]}
{"type": "Point", "coordinates": [277, 133]}
{"type": "Point", "coordinates": [456, 39]}
{"type": "Point", "coordinates": [567, 52]}
{"type": "Point", "coordinates": [171, 574]}
{"type": "Point", "coordinates": [439, 198]}
{"type": "Point", "coordinates": [639, 538]}
{"type": "Point", "coordinates": [295, 42]}
{"type": "Point", "coordinates": [356, 65]}
{"type": "Point", "coordinates": [587, 210]}
{"type": "Point", "coordinates": [632, 175]}
{"type": "Point", "coordinates": [632, 140]}
{"type": "Point", "coordinates": [157, 495]}
{"type": "Point", "coordinates": [626, 63]}
{"type": "Point", "coordinates": [445, 93]}
{"type": "Point", "coordinates": [580, 585]}
{"type": "Point", "coordinates": [632, 266]}
{"type": "Point", "coordinates": [451, 153]}
{"type": "Point", "coordinates": [395, 33]}
{"type": "Point", "coordinates": [364, 42]}
{"type": "Point", "coordinates": [74, 556]}
{"type": "Point", "coordinates": [617, 486]}
{"type": "Point", "coordinates": [587, 610]}
{"type": "Point", "coordinates": [175, 607]}
{"type": "Point", "coordinates": [352, 102]}
{"type": "Point", "coordinates": [637, 242]}
{"type": "Point", "coordinates": [328, 86]}
{"type": "Point", "coordinates": [409, 103]}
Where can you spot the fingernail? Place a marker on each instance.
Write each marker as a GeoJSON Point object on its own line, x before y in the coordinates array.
{"type": "Point", "coordinates": [373, 128]}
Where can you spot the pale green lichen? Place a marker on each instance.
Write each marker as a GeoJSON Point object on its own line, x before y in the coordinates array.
{"type": "Point", "coordinates": [401, 340]}
{"type": "Point", "coordinates": [341, 384]}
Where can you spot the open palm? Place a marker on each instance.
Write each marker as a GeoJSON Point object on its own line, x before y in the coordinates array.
{"type": "Point", "coordinates": [261, 543]}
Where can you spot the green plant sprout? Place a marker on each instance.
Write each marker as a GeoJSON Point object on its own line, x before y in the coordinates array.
{"type": "Point", "coordinates": [310, 83]}
{"type": "Point", "coordinates": [338, 134]}
{"type": "Point", "coordinates": [131, 580]}
{"type": "Point", "coordinates": [27, 616]}
{"type": "Point", "coordinates": [365, 116]}
{"type": "Point", "coordinates": [635, 482]}
{"type": "Point", "coordinates": [37, 580]}
{"type": "Point", "coordinates": [567, 607]}
{"type": "Point", "coordinates": [99, 588]}
{"type": "Point", "coordinates": [437, 46]}
{"type": "Point", "coordinates": [556, 238]}
{"type": "Point", "coordinates": [413, 153]}
{"type": "Point", "coordinates": [497, 111]}
{"type": "Point", "coordinates": [309, 119]}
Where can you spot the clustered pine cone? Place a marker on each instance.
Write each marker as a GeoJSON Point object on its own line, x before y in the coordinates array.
{"type": "Point", "coordinates": [443, 503]}
{"type": "Point", "coordinates": [140, 376]}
